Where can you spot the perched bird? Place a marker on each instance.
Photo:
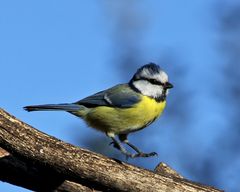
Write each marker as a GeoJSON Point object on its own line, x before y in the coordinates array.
{"type": "Point", "coordinates": [122, 109]}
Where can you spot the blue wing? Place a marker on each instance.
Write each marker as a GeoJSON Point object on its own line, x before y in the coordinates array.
{"type": "Point", "coordinates": [121, 96]}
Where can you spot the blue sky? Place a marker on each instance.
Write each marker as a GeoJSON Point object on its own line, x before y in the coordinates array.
{"type": "Point", "coordinates": [62, 51]}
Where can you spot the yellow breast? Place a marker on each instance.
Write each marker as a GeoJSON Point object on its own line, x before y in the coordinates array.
{"type": "Point", "coordinates": [124, 120]}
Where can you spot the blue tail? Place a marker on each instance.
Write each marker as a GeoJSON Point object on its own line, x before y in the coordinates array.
{"type": "Point", "coordinates": [54, 107]}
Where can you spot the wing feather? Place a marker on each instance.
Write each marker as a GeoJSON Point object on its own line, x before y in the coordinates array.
{"type": "Point", "coordinates": [121, 96]}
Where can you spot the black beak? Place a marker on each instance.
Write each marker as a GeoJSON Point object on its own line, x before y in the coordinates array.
{"type": "Point", "coordinates": [168, 85]}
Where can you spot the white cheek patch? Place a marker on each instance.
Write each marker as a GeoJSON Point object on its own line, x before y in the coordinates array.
{"type": "Point", "coordinates": [148, 89]}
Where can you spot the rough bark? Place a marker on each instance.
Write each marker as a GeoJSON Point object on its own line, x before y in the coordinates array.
{"type": "Point", "coordinates": [34, 176]}
{"type": "Point", "coordinates": [34, 159]}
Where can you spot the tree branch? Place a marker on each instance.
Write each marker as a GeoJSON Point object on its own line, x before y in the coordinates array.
{"type": "Point", "coordinates": [38, 155]}
{"type": "Point", "coordinates": [34, 176]}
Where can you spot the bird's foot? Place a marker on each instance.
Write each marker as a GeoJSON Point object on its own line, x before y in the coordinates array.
{"type": "Point", "coordinates": [131, 155]}
{"type": "Point", "coordinates": [141, 154]}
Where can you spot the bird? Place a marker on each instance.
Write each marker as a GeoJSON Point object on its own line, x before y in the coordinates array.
{"type": "Point", "coordinates": [123, 108]}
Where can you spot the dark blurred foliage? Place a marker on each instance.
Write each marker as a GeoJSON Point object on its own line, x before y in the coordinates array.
{"type": "Point", "coordinates": [229, 43]}
{"type": "Point", "coordinates": [220, 167]}
{"type": "Point", "coordinates": [127, 33]}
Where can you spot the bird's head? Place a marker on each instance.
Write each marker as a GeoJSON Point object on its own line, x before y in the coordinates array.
{"type": "Point", "coordinates": [152, 81]}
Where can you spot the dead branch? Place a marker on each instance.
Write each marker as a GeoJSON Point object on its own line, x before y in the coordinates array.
{"type": "Point", "coordinates": [34, 159]}
{"type": "Point", "coordinates": [34, 176]}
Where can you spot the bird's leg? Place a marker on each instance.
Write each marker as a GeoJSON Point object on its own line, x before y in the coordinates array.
{"type": "Point", "coordinates": [123, 138]}
{"type": "Point", "coordinates": [118, 146]}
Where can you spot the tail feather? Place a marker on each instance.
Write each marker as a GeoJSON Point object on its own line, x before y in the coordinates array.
{"type": "Point", "coordinates": [53, 107]}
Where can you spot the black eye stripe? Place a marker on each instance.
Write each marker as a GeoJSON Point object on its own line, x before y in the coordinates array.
{"type": "Point", "coordinates": [153, 81]}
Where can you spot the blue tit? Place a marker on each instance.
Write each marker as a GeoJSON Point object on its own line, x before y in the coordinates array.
{"type": "Point", "coordinates": [122, 109]}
